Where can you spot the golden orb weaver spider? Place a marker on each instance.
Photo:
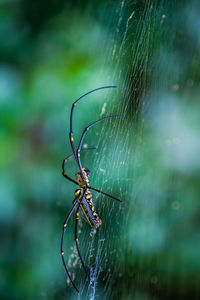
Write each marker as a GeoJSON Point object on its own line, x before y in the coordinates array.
{"type": "Point", "coordinates": [83, 196]}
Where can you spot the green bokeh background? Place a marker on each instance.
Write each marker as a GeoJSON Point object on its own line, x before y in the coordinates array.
{"type": "Point", "coordinates": [52, 52]}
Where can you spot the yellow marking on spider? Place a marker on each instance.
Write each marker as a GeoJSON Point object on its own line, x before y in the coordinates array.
{"type": "Point", "coordinates": [79, 154]}
{"type": "Point", "coordinates": [72, 139]}
{"type": "Point", "coordinates": [65, 225]}
{"type": "Point", "coordinates": [62, 253]}
{"type": "Point", "coordinates": [74, 104]}
{"type": "Point", "coordinates": [83, 169]}
{"type": "Point", "coordinates": [77, 214]}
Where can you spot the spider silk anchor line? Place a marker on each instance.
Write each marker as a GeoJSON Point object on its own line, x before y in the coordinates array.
{"type": "Point", "coordinates": [83, 196]}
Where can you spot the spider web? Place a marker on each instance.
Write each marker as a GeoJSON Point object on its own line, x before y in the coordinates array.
{"type": "Point", "coordinates": [147, 246]}
{"type": "Point", "coordinates": [112, 163]}
{"type": "Point", "coordinates": [122, 164]}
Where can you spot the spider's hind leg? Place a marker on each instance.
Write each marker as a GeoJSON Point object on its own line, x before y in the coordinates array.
{"type": "Point", "coordinates": [62, 240]}
{"type": "Point", "coordinates": [80, 214]}
{"type": "Point", "coordinates": [76, 237]}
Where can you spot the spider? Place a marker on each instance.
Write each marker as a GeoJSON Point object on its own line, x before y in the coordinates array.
{"type": "Point", "coordinates": [83, 196]}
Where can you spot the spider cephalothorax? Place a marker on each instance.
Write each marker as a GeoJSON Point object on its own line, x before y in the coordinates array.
{"type": "Point", "coordinates": [83, 182]}
{"type": "Point", "coordinates": [83, 196]}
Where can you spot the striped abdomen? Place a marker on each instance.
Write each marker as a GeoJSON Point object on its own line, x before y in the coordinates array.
{"type": "Point", "coordinates": [87, 207]}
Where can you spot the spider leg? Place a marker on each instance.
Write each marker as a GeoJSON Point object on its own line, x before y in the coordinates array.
{"type": "Point", "coordinates": [80, 215]}
{"type": "Point", "coordinates": [76, 237]}
{"type": "Point", "coordinates": [101, 192]}
{"type": "Point", "coordinates": [66, 159]}
{"type": "Point", "coordinates": [83, 150]}
{"type": "Point", "coordinates": [71, 131]}
{"type": "Point", "coordinates": [80, 145]}
{"type": "Point", "coordinates": [65, 175]}
{"type": "Point", "coordinates": [84, 133]}
{"type": "Point", "coordinates": [62, 239]}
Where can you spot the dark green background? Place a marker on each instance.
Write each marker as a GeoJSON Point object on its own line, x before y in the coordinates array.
{"type": "Point", "coordinates": [52, 52]}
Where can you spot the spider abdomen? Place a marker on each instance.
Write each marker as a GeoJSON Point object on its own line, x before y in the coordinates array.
{"type": "Point", "coordinates": [88, 208]}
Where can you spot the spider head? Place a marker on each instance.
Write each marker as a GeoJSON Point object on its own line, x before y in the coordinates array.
{"type": "Point", "coordinates": [80, 179]}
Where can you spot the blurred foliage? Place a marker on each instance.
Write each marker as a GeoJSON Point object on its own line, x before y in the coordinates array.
{"type": "Point", "coordinates": [50, 54]}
